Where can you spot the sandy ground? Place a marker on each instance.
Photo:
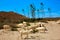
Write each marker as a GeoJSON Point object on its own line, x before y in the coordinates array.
{"type": "Point", "coordinates": [53, 33]}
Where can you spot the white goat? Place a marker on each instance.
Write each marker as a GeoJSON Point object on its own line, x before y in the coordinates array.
{"type": "Point", "coordinates": [41, 28]}
{"type": "Point", "coordinates": [6, 27]}
{"type": "Point", "coordinates": [24, 32]}
{"type": "Point", "coordinates": [21, 24]}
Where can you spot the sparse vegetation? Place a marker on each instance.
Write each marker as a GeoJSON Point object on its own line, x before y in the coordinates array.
{"type": "Point", "coordinates": [1, 24]}
{"type": "Point", "coordinates": [34, 31]}
{"type": "Point", "coordinates": [14, 29]}
{"type": "Point", "coordinates": [28, 24]}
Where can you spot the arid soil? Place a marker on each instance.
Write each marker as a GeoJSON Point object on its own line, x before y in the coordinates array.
{"type": "Point", "coordinates": [53, 33]}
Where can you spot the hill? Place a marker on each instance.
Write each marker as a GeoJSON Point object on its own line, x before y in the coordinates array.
{"type": "Point", "coordinates": [11, 17]}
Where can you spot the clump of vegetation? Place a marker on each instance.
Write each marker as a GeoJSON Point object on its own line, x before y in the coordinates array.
{"type": "Point", "coordinates": [1, 25]}
{"type": "Point", "coordinates": [19, 21]}
{"type": "Point", "coordinates": [44, 21]}
{"type": "Point", "coordinates": [28, 24]}
{"type": "Point", "coordinates": [34, 31]}
{"type": "Point", "coordinates": [14, 29]}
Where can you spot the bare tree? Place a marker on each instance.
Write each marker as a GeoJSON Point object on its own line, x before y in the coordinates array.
{"type": "Point", "coordinates": [42, 9]}
{"type": "Point", "coordinates": [49, 11]}
{"type": "Point", "coordinates": [23, 11]}
{"type": "Point", "coordinates": [32, 10]}
{"type": "Point", "coordinates": [28, 14]}
{"type": "Point", "coordinates": [38, 13]}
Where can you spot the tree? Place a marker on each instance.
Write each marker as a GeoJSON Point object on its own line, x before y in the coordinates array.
{"type": "Point", "coordinates": [38, 13]}
{"type": "Point", "coordinates": [42, 9]}
{"type": "Point", "coordinates": [49, 11]}
{"type": "Point", "coordinates": [23, 11]}
{"type": "Point", "coordinates": [28, 14]}
{"type": "Point", "coordinates": [32, 10]}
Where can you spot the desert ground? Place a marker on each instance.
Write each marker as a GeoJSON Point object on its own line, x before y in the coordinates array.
{"type": "Point", "coordinates": [53, 33]}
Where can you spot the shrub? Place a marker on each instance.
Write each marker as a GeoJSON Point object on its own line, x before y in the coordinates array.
{"type": "Point", "coordinates": [34, 31]}
{"type": "Point", "coordinates": [1, 25]}
{"type": "Point", "coordinates": [14, 29]}
{"type": "Point", "coordinates": [28, 24]}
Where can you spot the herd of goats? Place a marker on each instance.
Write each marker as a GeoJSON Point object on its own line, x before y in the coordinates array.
{"type": "Point", "coordinates": [26, 28]}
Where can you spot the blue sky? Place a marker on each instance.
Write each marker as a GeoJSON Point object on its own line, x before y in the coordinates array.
{"type": "Point", "coordinates": [18, 5]}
